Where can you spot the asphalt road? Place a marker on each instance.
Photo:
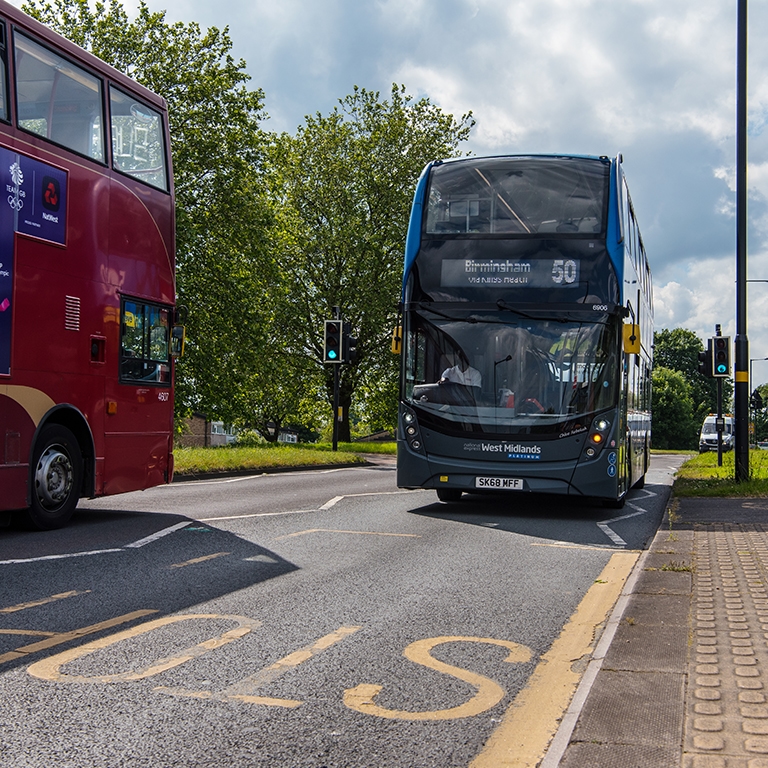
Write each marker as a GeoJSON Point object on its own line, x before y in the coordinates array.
{"type": "Point", "coordinates": [299, 620]}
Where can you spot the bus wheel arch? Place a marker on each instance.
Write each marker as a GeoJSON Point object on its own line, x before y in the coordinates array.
{"type": "Point", "coordinates": [61, 468]}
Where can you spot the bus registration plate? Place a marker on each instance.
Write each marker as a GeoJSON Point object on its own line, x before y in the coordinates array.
{"type": "Point", "coordinates": [505, 483]}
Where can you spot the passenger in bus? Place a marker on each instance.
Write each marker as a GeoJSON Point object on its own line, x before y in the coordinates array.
{"type": "Point", "coordinates": [462, 373]}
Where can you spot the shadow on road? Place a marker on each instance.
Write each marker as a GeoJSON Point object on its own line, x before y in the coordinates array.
{"type": "Point", "coordinates": [556, 518]}
{"type": "Point", "coordinates": [53, 582]}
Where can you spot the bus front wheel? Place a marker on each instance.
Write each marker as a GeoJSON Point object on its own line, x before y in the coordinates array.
{"type": "Point", "coordinates": [448, 494]}
{"type": "Point", "coordinates": [57, 476]}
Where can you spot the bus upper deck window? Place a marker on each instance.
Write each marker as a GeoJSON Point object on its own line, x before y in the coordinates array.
{"type": "Point", "coordinates": [58, 100]}
{"type": "Point", "coordinates": [138, 139]}
{"type": "Point", "coordinates": [3, 76]}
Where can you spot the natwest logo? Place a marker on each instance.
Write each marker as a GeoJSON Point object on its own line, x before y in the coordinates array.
{"type": "Point", "coordinates": [51, 193]}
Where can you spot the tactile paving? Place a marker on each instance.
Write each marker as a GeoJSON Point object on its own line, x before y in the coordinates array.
{"type": "Point", "coordinates": [726, 724]}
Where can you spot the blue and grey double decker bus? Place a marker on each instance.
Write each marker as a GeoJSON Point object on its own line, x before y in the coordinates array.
{"type": "Point", "coordinates": [527, 331]}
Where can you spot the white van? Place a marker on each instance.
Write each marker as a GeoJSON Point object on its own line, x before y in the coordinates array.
{"type": "Point", "coordinates": [708, 436]}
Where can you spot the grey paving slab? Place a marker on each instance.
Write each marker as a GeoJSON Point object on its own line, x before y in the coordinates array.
{"type": "Point", "coordinates": [684, 682]}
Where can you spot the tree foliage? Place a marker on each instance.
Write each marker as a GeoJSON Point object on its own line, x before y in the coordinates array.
{"type": "Point", "coordinates": [273, 231]}
{"type": "Point", "coordinates": [343, 186]}
{"type": "Point", "coordinates": [224, 270]}
{"type": "Point", "coordinates": [674, 424]}
{"type": "Point", "coordinates": [678, 349]}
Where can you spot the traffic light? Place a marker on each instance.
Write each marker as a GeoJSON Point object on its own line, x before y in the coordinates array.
{"type": "Point", "coordinates": [721, 356]}
{"type": "Point", "coordinates": [705, 361]}
{"type": "Point", "coordinates": [757, 401]}
{"type": "Point", "coordinates": [333, 343]}
{"type": "Point", "coordinates": [350, 345]}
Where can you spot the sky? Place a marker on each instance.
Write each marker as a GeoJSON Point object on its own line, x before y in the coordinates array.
{"type": "Point", "coordinates": [652, 79]}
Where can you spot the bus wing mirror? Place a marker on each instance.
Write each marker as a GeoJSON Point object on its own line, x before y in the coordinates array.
{"type": "Point", "coordinates": [178, 337]}
{"type": "Point", "coordinates": [631, 332]}
{"type": "Point", "coordinates": [397, 340]}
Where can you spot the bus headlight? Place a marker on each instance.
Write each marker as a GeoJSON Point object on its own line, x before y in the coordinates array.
{"type": "Point", "coordinates": [411, 430]}
{"type": "Point", "coordinates": [597, 435]}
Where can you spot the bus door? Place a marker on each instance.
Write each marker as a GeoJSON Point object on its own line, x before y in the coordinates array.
{"type": "Point", "coordinates": [139, 402]}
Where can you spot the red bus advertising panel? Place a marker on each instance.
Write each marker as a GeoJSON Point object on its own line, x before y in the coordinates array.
{"type": "Point", "coordinates": [87, 285]}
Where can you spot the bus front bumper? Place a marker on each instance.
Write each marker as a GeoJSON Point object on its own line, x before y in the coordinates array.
{"type": "Point", "coordinates": [565, 478]}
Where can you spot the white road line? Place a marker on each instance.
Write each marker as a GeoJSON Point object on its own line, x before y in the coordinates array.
{"type": "Point", "coordinates": [604, 526]}
{"type": "Point", "coordinates": [59, 557]}
{"type": "Point", "coordinates": [157, 535]}
{"type": "Point", "coordinates": [255, 514]}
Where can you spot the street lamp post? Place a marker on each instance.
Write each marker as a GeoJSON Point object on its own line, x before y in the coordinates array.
{"type": "Point", "coordinates": [741, 346]}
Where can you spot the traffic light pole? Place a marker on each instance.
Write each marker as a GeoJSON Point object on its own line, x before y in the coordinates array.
{"type": "Point", "coordinates": [336, 407]}
{"type": "Point", "coordinates": [337, 316]}
{"type": "Point", "coordinates": [720, 423]}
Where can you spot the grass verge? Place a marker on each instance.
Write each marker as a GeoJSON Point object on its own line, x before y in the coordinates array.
{"type": "Point", "coordinates": [196, 461]}
{"type": "Point", "coordinates": [700, 476]}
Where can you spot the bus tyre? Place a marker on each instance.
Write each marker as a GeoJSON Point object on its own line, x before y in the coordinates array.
{"type": "Point", "coordinates": [57, 475]}
{"type": "Point", "coordinates": [448, 494]}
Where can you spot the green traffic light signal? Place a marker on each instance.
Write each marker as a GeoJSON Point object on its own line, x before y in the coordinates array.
{"type": "Point", "coordinates": [721, 356]}
{"type": "Point", "coordinates": [332, 346]}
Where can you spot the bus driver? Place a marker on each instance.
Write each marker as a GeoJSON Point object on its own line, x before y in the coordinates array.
{"type": "Point", "coordinates": [462, 373]}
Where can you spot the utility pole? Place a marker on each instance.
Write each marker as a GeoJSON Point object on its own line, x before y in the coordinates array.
{"type": "Point", "coordinates": [741, 346]}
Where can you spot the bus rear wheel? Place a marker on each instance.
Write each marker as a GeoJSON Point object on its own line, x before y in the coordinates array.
{"type": "Point", "coordinates": [448, 494]}
{"type": "Point", "coordinates": [57, 475]}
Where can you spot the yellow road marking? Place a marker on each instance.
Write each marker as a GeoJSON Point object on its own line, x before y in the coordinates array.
{"type": "Point", "coordinates": [196, 560]}
{"type": "Point", "coordinates": [358, 533]}
{"type": "Point", "coordinates": [62, 637]}
{"type": "Point", "coordinates": [42, 601]}
{"type": "Point", "coordinates": [29, 632]}
{"type": "Point", "coordinates": [245, 690]}
{"type": "Point", "coordinates": [50, 669]}
{"type": "Point", "coordinates": [530, 722]}
{"type": "Point", "coordinates": [489, 692]}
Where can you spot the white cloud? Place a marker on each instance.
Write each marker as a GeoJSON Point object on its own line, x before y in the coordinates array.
{"type": "Point", "coordinates": [654, 79]}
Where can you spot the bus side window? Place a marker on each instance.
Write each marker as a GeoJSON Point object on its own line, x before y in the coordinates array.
{"type": "Point", "coordinates": [58, 100]}
{"type": "Point", "coordinates": [138, 140]}
{"type": "Point", "coordinates": [3, 75]}
{"type": "Point", "coordinates": [145, 343]}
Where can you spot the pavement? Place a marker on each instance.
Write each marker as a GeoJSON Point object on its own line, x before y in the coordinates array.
{"type": "Point", "coordinates": [683, 680]}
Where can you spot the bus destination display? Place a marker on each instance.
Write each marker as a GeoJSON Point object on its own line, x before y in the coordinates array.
{"type": "Point", "coordinates": [538, 273]}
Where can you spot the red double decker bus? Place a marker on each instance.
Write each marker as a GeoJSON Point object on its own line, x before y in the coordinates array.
{"type": "Point", "coordinates": [87, 286]}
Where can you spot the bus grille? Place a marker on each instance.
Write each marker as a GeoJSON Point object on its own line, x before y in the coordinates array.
{"type": "Point", "coordinates": [72, 313]}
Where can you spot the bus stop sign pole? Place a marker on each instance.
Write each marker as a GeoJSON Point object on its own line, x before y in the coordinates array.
{"type": "Point", "coordinates": [741, 345]}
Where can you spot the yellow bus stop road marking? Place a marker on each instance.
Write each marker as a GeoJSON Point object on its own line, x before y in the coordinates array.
{"type": "Point", "coordinates": [531, 721]}
{"type": "Point", "coordinates": [42, 601]}
{"type": "Point", "coordinates": [202, 559]}
{"type": "Point", "coordinates": [58, 638]}
{"type": "Point", "coordinates": [246, 689]}
{"type": "Point", "coordinates": [50, 668]}
{"type": "Point", "coordinates": [489, 692]}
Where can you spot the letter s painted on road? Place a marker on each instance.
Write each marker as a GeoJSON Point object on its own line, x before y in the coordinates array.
{"type": "Point", "coordinates": [489, 693]}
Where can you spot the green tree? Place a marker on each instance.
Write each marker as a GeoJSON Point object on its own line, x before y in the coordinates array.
{"type": "Point", "coordinates": [678, 349]}
{"type": "Point", "coordinates": [222, 218]}
{"type": "Point", "coordinates": [760, 415]}
{"type": "Point", "coordinates": [674, 423]}
{"type": "Point", "coordinates": [343, 187]}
